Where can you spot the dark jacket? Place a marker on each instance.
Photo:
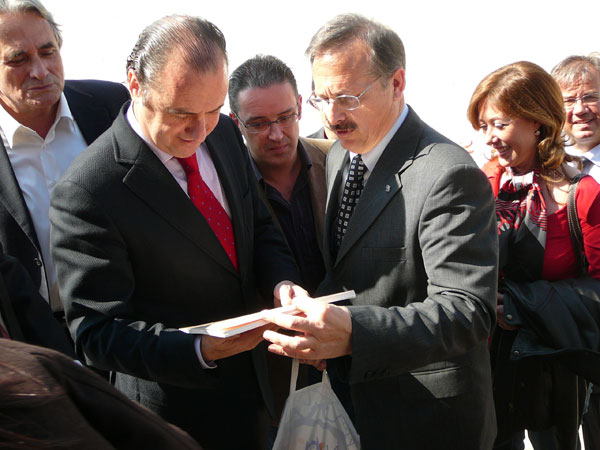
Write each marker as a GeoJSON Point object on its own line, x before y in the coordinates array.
{"type": "Point", "coordinates": [27, 315]}
{"type": "Point", "coordinates": [536, 368]}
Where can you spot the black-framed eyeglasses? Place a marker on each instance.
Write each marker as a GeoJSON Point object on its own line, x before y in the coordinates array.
{"type": "Point", "coordinates": [586, 99]}
{"type": "Point", "coordinates": [262, 126]}
{"type": "Point", "coordinates": [345, 102]}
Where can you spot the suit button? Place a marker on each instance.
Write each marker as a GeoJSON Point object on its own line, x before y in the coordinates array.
{"type": "Point", "coordinates": [37, 262]}
{"type": "Point", "coordinates": [509, 317]}
{"type": "Point", "coordinates": [516, 353]}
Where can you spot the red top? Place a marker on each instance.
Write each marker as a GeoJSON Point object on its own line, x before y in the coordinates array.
{"type": "Point", "coordinates": [494, 172]}
{"type": "Point", "coordinates": [559, 260]}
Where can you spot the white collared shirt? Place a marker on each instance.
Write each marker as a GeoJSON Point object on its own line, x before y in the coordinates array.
{"type": "Point", "coordinates": [38, 164]}
{"type": "Point", "coordinates": [592, 155]}
{"type": "Point", "coordinates": [205, 164]}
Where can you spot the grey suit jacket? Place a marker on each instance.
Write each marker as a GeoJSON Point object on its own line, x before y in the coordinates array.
{"type": "Point", "coordinates": [136, 260]}
{"type": "Point", "coordinates": [421, 253]}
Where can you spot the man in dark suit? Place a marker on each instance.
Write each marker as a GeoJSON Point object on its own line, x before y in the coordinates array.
{"type": "Point", "coordinates": [410, 226]}
{"type": "Point", "coordinates": [158, 226]}
{"type": "Point", "coordinates": [43, 129]}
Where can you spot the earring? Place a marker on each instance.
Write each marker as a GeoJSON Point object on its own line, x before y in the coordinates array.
{"type": "Point", "coordinates": [537, 132]}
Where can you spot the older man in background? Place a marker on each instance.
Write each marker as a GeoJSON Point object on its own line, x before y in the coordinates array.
{"type": "Point", "coordinates": [579, 81]}
{"type": "Point", "coordinates": [45, 123]}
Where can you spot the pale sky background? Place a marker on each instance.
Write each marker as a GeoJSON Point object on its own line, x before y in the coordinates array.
{"type": "Point", "coordinates": [450, 46]}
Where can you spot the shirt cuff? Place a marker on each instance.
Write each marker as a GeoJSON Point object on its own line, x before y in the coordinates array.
{"type": "Point", "coordinates": [204, 364]}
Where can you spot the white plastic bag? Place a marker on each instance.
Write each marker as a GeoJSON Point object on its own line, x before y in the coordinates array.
{"type": "Point", "coordinates": [314, 419]}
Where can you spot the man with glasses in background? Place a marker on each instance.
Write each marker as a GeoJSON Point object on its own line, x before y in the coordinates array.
{"type": "Point", "coordinates": [264, 102]}
{"type": "Point", "coordinates": [579, 81]}
{"type": "Point", "coordinates": [410, 225]}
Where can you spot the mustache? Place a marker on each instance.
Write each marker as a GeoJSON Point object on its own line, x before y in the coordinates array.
{"type": "Point", "coordinates": [348, 125]}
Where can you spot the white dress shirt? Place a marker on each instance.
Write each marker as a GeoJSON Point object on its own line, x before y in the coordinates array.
{"type": "Point", "coordinates": [38, 164]}
{"type": "Point", "coordinates": [593, 156]}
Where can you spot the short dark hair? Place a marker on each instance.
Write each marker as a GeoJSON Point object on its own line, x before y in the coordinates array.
{"type": "Point", "coordinates": [576, 68]}
{"type": "Point", "coordinates": [200, 43]}
{"type": "Point", "coordinates": [387, 50]}
{"type": "Point", "coordinates": [261, 71]}
{"type": "Point", "coordinates": [34, 7]}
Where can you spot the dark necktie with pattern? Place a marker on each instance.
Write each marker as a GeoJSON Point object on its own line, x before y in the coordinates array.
{"type": "Point", "coordinates": [352, 190]}
{"type": "Point", "coordinates": [209, 206]}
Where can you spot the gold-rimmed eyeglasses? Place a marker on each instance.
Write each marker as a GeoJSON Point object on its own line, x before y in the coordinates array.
{"type": "Point", "coordinates": [344, 101]}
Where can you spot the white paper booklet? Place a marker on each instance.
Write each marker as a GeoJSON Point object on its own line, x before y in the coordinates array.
{"type": "Point", "coordinates": [237, 325]}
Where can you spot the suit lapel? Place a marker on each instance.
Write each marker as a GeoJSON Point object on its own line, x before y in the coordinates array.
{"type": "Point", "coordinates": [150, 180]}
{"type": "Point", "coordinates": [336, 159]}
{"type": "Point", "coordinates": [384, 182]}
{"type": "Point", "coordinates": [12, 197]}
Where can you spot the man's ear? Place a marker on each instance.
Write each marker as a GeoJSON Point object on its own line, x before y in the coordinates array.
{"type": "Point", "coordinates": [135, 89]}
{"type": "Point", "coordinates": [399, 82]}
{"type": "Point", "coordinates": [299, 107]}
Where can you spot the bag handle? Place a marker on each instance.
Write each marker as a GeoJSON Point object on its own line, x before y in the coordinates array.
{"type": "Point", "coordinates": [575, 226]}
{"type": "Point", "coordinates": [294, 377]}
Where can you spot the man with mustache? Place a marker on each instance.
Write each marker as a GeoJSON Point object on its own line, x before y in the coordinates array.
{"type": "Point", "coordinates": [410, 225]}
{"type": "Point", "coordinates": [43, 129]}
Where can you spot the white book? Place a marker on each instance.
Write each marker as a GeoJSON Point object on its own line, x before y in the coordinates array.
{"type": "Point", "coordinates": [237, 325]}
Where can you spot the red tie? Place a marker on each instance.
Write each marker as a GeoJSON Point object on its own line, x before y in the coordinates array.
{"type": "Point", "coordinates": [209, 206]}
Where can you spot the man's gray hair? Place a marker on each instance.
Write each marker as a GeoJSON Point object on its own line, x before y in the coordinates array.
{"type": "Point", "coordinates": [200, 43]}
{"type": "Point", "coordinates": [577, 69]}
{"type": "Point", "coordinates": [258, 72]}
{"type": "Point", "coordinates": [34, 7]}
{"type": "Point", "coordinates": [387, 51]}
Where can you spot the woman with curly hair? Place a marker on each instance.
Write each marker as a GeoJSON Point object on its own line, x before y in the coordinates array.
{"type": "Point", "coordinates": [547, 311]}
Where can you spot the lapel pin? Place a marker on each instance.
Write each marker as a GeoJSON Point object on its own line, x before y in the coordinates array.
{"type": "Point", "coordinates": [388, 188]}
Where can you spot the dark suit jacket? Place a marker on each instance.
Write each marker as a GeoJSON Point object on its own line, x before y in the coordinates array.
{"type": "Point", "coordinates": [136, 261]}
{"type": "Point", "coordinates": [94, 105]}
{"type": "Point", "coordinates": [47, 397]}
{"type": "Point", "coordinates": [421, 253]}
{"type": "Point", "coordinates": [27, 315]}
